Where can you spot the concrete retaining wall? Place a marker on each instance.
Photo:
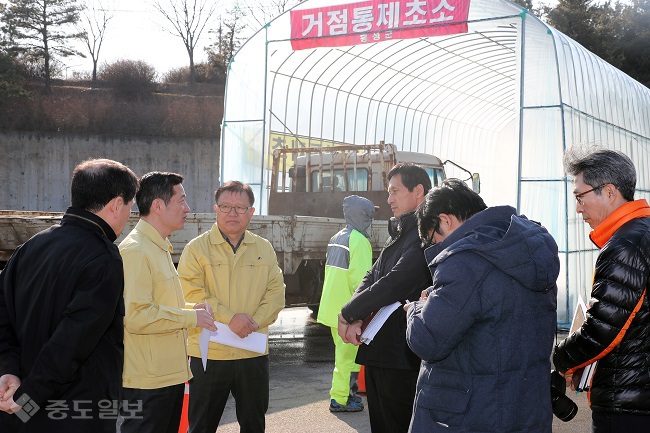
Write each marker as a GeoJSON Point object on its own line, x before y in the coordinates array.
{"type": "Point", "coordinates": [35, 168]}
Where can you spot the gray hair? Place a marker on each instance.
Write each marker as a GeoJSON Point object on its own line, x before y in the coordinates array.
{"type": "Point", "coordinates": [600, 166]}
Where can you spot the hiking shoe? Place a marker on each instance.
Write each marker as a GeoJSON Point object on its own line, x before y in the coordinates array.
{"type": "Point", "coordinates": [352, 406]}
{"type": "Point", "coordinates": [356, 398]}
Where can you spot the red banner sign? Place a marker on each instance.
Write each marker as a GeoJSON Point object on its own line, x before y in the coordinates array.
{"type": "Point", "coordinates": [376, 20]}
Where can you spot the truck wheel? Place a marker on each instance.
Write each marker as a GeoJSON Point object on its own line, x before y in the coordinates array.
{"type": "Point", "coordinates": [311, 276]}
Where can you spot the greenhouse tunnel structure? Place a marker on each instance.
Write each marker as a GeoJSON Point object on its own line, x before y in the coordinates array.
{"type": "Point", "coordinates": [495, 90]}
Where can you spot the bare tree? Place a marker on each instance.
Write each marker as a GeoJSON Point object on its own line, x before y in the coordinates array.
{"type": "Point", "coordinates": [92, 27]}
{"type": "Point", "coordinates": [259, 13]}
{"type": "Point", "coordinates": [228, 40]}
{"type": "Point", "coordinates": [188, 19]}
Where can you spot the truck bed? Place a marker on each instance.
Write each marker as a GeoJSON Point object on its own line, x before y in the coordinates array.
{"type": "Point", "coordinates": [294, 238]}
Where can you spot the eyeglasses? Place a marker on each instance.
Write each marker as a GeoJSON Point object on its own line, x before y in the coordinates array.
{"type": "Point", "coordinates": [582, 194]}
{"type": "Point", "coordinates": [238, 209]}
{"type": "Point", "coordinates": [428, 240]}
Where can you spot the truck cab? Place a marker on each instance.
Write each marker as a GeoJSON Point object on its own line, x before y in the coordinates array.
{"type": "Point", "coordinates": [314, 181]}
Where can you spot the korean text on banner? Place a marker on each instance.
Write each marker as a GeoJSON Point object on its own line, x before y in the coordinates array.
{"type": "Point", "coordinates": [376, 20]}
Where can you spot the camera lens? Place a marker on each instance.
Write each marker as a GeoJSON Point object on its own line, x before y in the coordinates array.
{"type": "Point", "coordinates": [563, 407]}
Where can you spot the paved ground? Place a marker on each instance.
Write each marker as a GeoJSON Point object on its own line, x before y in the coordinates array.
{"type": "Point", "coordinates": [301, 364]}
{"type": "Point", "coordinates": [299, 403]}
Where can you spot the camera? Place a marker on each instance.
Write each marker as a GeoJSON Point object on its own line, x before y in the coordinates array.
{"type": "Point", "coordinates": [563, 407]}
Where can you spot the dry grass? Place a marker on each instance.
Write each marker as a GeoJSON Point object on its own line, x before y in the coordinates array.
{"type": "Point", "coordinates": [81, 109]}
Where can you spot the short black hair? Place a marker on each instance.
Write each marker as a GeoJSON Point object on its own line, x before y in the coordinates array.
{"type": "Point", "coordinates": [235, 186]}
{"type": "Point", "coordinates": [452, 197]}
{"type": "Point", "coordinates": [412, 175]}
{"type": "Point", "coordinates": [155, 185]}
{"type": "Point", "coordinates": [95, 182]}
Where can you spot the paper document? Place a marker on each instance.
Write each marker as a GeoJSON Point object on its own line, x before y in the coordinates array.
{"type": "Point", "coordinates": [377, 322]}
{"type": "Point", "coordinates": [204, 342]}
{"type": "Point", "coordinates": [255, 342]}
{"type": "Point", "coordinates": [579, 317]}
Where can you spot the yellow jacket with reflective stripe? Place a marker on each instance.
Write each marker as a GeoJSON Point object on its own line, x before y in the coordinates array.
{"type": "Point", "coordinates": [349, 257]}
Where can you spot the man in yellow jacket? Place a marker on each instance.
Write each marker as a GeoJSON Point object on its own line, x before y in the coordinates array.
{"type": "Point", "coordinates": [236, 272]}
{"type": "Point", "coordinates": [156, 316]}
{"type": "Point", "coordinates": [349, 257]}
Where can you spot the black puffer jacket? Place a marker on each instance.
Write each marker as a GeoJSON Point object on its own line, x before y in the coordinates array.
{"type": "Point", "coordinates": [399, 273]}
{"type": "Point", "coordinates": [617, 329]}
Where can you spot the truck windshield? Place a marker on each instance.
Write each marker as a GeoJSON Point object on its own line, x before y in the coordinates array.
{"type": "Point", "coordinates": [437, 175]}
{"type": "Point", "coordinates": [361, 183]}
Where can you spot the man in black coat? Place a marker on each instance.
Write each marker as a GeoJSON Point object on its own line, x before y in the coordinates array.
{"type": "Point", "coordinates": [616, 332]}
{"type": "Point", "coordinates": [399, 274]}
{"type": "Point", "coordinates": [62, 309]}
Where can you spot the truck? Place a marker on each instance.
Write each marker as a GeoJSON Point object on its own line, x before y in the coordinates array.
{"type": "Point", "coordinates": [305, 209]}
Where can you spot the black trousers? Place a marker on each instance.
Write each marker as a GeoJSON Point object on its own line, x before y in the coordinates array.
{"type": "Point", "coordinates": [247, 380]}
{"type": "Point", "coordinates": [604, 422]}
{"type": "Point", "coordinates": [390, 394]}
{"type": "Point", "coordinates": [151, 410]}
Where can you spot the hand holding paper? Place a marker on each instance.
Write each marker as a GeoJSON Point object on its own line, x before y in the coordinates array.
{"type": "Point", "coordinates": [376, 322]}
{"type": "Point", "coordinates": [204, 317]}
{"type": "Point", "coordinates": [352, 333]}
{"type": "Point", "coordinates": [243, 324]}
{"type": "Point", "coordinates": [255, 341]}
